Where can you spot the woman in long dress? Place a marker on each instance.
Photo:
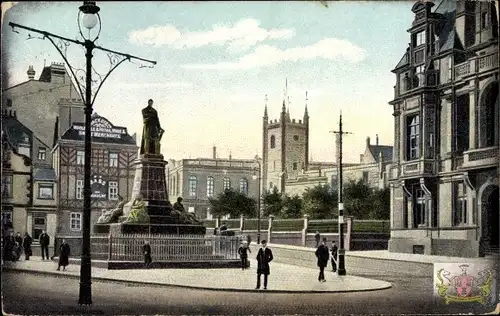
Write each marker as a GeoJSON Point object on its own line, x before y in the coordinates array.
{"type": "Point", "coordinates": [64, 255]}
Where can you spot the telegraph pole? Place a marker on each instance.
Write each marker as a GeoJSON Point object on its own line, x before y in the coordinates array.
{"type": "Point", "coordinates": [341, 255]}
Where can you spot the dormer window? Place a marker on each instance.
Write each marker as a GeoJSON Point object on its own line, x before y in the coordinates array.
{"type": "Point", "coordinates": [419, 39]}
{"type": "Point", "coordinates": [484, 20]}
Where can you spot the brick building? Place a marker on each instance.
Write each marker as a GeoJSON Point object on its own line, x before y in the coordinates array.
{"type": "Point", "coordinates": [112, 175]}
{"type": "Point", "coordinates": [444, 181]}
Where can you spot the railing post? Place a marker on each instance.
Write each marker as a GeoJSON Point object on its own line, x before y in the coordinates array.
{"type": "Point", "coordinates": [347, 242]}
{"type": "Point", "coordinates": [270, 228]}
{"type": "Point", "coordinates": [217, 222]}
{"type": "Point", "coordinates": [242, 222]}
{"type": "Point", "coordinates": [304, 230]}
{"type": "Point", "coordinates": [110, 242]}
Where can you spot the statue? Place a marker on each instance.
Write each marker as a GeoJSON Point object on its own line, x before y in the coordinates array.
{"type": "Point", "coordinates": [113, 215]}
{"type": "Point", "coordinates": [138, 212]}
{"type": "Point", "coordinates": [185, 217]}
{"type": "Point", "coordinates": [151, 131]}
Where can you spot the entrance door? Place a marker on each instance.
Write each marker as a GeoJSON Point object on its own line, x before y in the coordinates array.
{"type": "Point", "coordinates": [493, 219]}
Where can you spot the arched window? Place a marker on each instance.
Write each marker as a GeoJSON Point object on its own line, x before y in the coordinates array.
{"type": "Point", "coordinates": [210, 186]}
{"type": "Point", "coordinates": [244, 186]}
{"type": "Point", "coordinates": [192, 185]}
{"type": "Point", "coordinates": [273, 141]}
{"type": "Point", "coordinates": [226, 183]}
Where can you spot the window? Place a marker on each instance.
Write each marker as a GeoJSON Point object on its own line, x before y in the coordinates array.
{"type": "Point", "coordinates": [79, 189]}
{"type": "Point", "coordinates": [24, 150]}
{"type": "Point", "coordinates": [412, 137]}
{"type": "Point", "coordinates": [365, 177]}
{"type": "Point", "coordinates": [192, 186]}
{"type": "Point", "coordinates": [459, 204]}
{"type": "Point", "coordinates": [244, 186]}
{"type": "Point", "coordinates": [419, 208]}
{"type": "Point", "coordinates": [7, 216]}
{"type": "Point", "coordinates": [484, 20]}
{"type": "Point", "coordinates": [42, 153]}
{"type": "Point", "coordinates": [9, 103]}
{"type": "Point", "coordinates": [420, 38]}
{"type": "Point", "coordinates": [294, 166]}
{"type": "Point", "coordinates": [450, 68]}
{"type": "Point", "coordinates": [80, 157]}
{"type": "Point", "coordinates": [419, 75]}
{"type": "Point", "coordinates": [113, 160]}
{"type": "Point", "coordinates": [226, 183]}
{"type": "Point", "coordinates": [6, 186]}
{"type": "Point", "coordinates": [46, 191]}
{"type": "Point", "coordinates": [39, 224]}
{"type": "Point", "coordinates": [75, 221]}
{"type": "Point", "coordinates": [210, 186]}
{"type": "Point", "coordinates": [419, 57]}
{"type": "Point", "coordinates": [113, 190]}
{"type": "Point", "coordinates": [273, 141]}
{"type": "Point", "coordinates": [461, 123]}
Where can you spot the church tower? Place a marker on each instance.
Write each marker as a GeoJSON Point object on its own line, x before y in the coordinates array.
{"type": "Point", "coordinates": [285, 147]}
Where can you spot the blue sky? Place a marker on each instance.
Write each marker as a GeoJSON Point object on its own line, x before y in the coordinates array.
{"type": "Point", "coordinates": [218, 60]}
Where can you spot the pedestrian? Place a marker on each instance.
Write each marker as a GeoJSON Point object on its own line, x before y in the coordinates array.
{"type": "Point", "coordinates": [64, 251]}
{"type": "Point", "coordinates": [215, 231]}
{"type": "Point", "coordinates": [9, 244]}
{"type": "Point", "coordinates": [19, 242]}
{"type": "Point", "coordinates": [44, 244]}
{"type": "Point", "coordinates": [223, 229]}
{"type": "Point", "coordinates": [317, 237]}
{"type": "Point", "coordinates": [249, 239]}
{"type": "Point", "coordinates": [323, 254]}
{"type": "Point", "coordinates": [243, 252]}
{"type": "Point", "coordinates": [27, 241]}
{"type": "Point", "coordinates": [264, 256]}
{"type": "Point", "coordinates": [146, 250]}
{"type": "Point", "coordinates": [334, 250]}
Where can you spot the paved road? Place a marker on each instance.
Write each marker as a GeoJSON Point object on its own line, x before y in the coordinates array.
{"type": "Point", "coordinates": [28, 293]}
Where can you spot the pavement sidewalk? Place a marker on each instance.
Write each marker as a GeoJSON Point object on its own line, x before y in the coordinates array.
{"type": "Point", "coordinates": [283, 278]}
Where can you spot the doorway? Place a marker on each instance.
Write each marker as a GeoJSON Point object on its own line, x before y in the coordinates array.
{"type": "Point", "coordinates": [492, 210]}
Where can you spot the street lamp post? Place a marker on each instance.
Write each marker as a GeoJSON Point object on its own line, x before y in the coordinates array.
{"type": "Point", "coordinates": [341, 253]}
{"type": "Point", "coordinates": [258, 178]}
{"type": "Point", "coordinates": [88, 16]}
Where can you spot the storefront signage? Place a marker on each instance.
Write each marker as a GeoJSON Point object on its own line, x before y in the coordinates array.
{"type": "Point", "coordinates": [101, 127]}
{"type": "Point", "coordinates": [99, 188]}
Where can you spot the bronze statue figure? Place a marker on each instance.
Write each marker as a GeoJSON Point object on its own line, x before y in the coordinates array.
{"type": "Point", "coordinates": [112, 216]}
{"type": "Point", "coordinates": [151, 131]}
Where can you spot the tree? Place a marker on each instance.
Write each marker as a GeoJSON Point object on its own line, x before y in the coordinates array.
{"type": "Point", "coordinates": [292, 207]}
{"type": "Point", "coordinates": [233, 203]}
{"type": "Point", "coordinates": [272, 203]}
{"type": "Point", "coordinates": [320, 202]}
{"type": "Point", "coordinates": [381, 199]}
{"type": "Point", "coordinates": [357, 199]}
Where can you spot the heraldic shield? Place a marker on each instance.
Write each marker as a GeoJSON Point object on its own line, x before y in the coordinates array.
{"type": "Point", "coordinates": [464, 283]}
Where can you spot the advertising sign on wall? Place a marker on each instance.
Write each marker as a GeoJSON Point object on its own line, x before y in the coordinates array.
{"type": "Point", "coordinates": [99, 188]}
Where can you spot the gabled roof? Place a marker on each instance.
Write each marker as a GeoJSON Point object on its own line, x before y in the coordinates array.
{"type": "Point", "coordinates": [15, 132]}
{"type": "Point", "coordinates": [385, 150]}
{"type": "Point", "coordinates": [403, 62]}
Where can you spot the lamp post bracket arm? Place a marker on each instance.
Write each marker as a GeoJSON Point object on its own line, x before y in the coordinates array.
{"type": "Point", "coordinates": [44, 33]}
{"type": "Point", "coordinates": [128, 56]}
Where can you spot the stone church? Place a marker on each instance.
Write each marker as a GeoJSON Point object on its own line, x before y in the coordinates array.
{"type": "Point", "coordinates": [444, 177]}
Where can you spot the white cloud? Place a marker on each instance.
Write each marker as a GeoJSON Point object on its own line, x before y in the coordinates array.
{"type": "Point", "coordinates": [265, 55]}
{"type": "Point", "coordinates": [239, 37]}
{"type": "Point", "coordinates": [172, 84]}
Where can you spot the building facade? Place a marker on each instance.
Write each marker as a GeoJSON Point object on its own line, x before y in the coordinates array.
{"type": "Point", "coordinates": [112, 174]}
{"type": "Point", "coordinates": [444, 180]}
{"type": "Point", "coordinates": [196, 180]}
{"type": "Point", "coordinates": [28, 182]}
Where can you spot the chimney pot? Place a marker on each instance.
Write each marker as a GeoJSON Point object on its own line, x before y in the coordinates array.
{"type": "Point", "coordinates": [376, 139]}
{"type": "Point", "coordinates": [368, 141]}
{"type": "Point", "coordinates": [214, 152]}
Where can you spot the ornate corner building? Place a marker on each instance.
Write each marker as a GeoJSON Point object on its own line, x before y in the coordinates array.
{"type": "Point", "coordinates": [444, 178]}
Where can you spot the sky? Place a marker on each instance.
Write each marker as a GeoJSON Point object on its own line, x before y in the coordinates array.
{"type": "Point", "coordinates": [216, 62]}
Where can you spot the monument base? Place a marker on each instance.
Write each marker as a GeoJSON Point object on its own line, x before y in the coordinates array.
{"type": "Point", "coordinates": [150, 228]}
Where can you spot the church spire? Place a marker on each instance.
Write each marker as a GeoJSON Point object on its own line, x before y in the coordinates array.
{"type": "Point", "coordinates": [288, 109]}
{"type": "Point", "coordinates": [306, 114]}
{"type": "Point", "coordinates": [285, 92]}
{"type": "Point", "coordinates": [265, 106]}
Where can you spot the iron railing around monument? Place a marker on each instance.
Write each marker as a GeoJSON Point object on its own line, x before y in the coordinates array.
{"type": "Point", "coordinates": [167, 248]}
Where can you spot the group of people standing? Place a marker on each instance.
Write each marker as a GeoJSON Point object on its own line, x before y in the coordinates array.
{"type": "Point", "coordinates": [14, 246]}
{"type": "Point", "coordinates": [324, 255]}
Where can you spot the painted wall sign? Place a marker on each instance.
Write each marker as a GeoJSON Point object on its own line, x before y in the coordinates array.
{"type": "Point", "coordinates": [99, 188]}
{"type": "Point", "coordinates": [101, 127]}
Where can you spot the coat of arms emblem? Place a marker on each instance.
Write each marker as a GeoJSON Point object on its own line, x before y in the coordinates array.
{"type": "Point", "coordinates": [465, 284]}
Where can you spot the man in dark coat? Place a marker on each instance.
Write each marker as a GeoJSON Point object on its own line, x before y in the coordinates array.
{"type": "Point", "coordinates": [63, 255]}
{"type": "Point", "coordinates": [323, 254]}
{"type": "Point", "coordinates": [44, 244]}
{"type": "Point", "coordinates": [146, 250]}
{"type": "Point", "coordinates": [334, 250]}
{"type": "Point", "coordinates": [19, 239]}
{"type": "Point", "coordinates": [264, 256]}
{"type": "Point", "coordinates": [27, 241]}
{"type": "Point", "coordinates": [9, 243]}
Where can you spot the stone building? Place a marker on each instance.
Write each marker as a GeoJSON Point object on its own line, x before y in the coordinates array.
{"type": "Point", "coordinates": [28, 182]}
{"type": "Point", "coordinates": [195, 180]}
{"type": "Point", "coordinates": [444, 180]}
{"type": "Point", "coordinates": [112, 175]}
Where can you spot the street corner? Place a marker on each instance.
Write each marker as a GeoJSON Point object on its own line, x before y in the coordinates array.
{"type": "Point", "coordinates": [466, 283]}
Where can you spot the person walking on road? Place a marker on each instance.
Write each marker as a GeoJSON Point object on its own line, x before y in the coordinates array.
{"type": "Point", "coordinates": [334, 250]}
{"type": "Point", "coordinates": [323, 254]}
{"type": "Point", "coordinates": [243, 252]}
{"type": "Point", "coordinates": [317, 237]}
{"type": "Point", "coordinates": [146, 250]}
{"type": "Point", "coordinates": [44, 244]}
{"type": "Point", "coordinates": [264, 256]}
{"type": "Point", "coordinates": [63, 255]}
{"type": "Point", "coordinates": [27, 241]}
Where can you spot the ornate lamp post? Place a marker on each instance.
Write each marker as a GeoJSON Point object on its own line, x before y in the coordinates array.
{"type": "Point", "coordinates": [88, 16]}
{"type": "Point", "coordinates": [258, 177]}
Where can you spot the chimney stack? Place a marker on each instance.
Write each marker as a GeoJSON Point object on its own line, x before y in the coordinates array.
{"type": "Point", "coordinates": [367, 141]}
{"type": "Point", "coordinates": [376, 139]}
{"type": "Point", "coordinates": [214, 152]}
{"type": "Point", "coordinates": [31, 73]}
{"type": "Point", "coordinates": [230, 156]}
